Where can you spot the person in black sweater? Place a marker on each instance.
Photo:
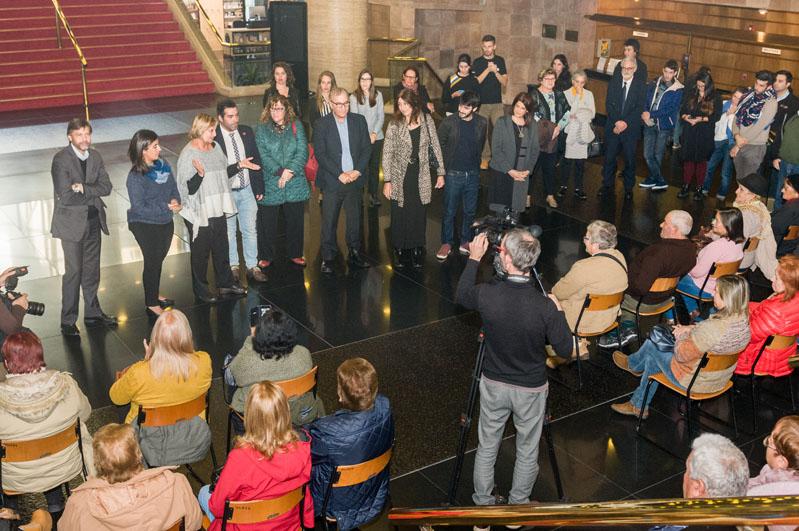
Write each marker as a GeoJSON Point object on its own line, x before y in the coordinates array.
{"type": "Point", "coordinates": [787, 215]}
{"type": "Point", "coordinates": [518, 321]}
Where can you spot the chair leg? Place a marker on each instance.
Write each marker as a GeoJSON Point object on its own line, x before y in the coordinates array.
{"type": "Point", "coordinates": [688, 407]}
{"type": "Point", "coordinates": [753, 393]}
{"type": "Point", "coordinates": [213, 456]}
{"type": "Point", "coordinates": [643, 406]}
{"type": "Point", "coordinates": [618, 332]}
{"type": "Point", "coordinates": [579, 366]}
{"type": "Point", "coordinates": [732, 412]}
{"type": "Point", "coordinates": [790, 390]}
{"type": "Point", "coordinates": [193, 474]}
{"type": "Point", "coordinates": [637, 330]}
{"type": "Point", "coordinates": [229, 428]}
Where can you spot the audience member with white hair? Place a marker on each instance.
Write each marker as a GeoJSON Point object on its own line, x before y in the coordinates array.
{"type": "Point", "coordinates": [715, 468]}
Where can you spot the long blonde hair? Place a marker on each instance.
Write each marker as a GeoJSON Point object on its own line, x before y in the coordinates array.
{"type": "Point", "coordinates": [267, 420]}
{"type": "Point", "coordinates": [172, 347]}
{"type": "Point", "coordinates": [320, 105]}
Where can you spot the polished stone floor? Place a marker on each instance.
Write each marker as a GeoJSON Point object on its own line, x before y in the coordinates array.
{"type": "Point", "coordinates": [422, 344]}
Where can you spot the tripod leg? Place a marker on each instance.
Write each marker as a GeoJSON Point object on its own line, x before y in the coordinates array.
{"type": "Point", "coordinates": [553, 460]}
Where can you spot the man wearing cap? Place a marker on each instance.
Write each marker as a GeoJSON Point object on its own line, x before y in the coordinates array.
{"type": "Point", "coordinates": [786, 215]}
{"type": "Point", "coordinates": [757, 224]}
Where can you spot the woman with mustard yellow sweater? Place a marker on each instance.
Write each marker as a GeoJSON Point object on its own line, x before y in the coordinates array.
{"type": "Point", "coordinates": [171, 373]}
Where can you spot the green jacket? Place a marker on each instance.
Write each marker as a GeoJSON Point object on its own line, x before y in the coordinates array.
{"type": "Point", "coordinates": [279, 150]}
{"type": "Point", "coordinates": [789, 149]}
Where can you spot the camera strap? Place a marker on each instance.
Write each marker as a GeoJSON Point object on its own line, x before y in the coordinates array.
{"type": "Point", "coordinates": [606, 255]}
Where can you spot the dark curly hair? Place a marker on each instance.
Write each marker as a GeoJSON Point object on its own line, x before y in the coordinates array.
{"type": "Point", "coordinates": [275, 335]}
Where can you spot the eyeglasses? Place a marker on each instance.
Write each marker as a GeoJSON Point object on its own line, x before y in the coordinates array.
{"type": "Point", "coordinates": [366, 79]}
{"type": "Point", "coordinates": [768, 442]}
{"type": "Point", "coordinates": [411, 78]}
{"type": "Point", "coordinates": [628, 68]}
{"type": "Point", "coordinates": [278, 109]}
{"type": "Point", "coordinates": [342, 104]}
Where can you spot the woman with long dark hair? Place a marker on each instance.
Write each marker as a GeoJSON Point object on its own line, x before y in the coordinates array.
{"type": "Point", "coordinates": [561, 67]}
{"type": "Point", "coordinates": [368, 102]}
{"type": "Point", "coordinates": [282, 82]}
{"type": "Point", "coordinates": [700, 111]}
{"type": "Point", "coordinates": [410, 141]}
{"type": "Point", "coordinates": [154, 197]}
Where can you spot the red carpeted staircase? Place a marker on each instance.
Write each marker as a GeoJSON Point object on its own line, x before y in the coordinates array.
{"type": "Point", "coordinates": [134, 48]}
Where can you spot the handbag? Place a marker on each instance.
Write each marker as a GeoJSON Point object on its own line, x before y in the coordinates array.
{"type": "Point", "coordinates": [597, 146]}
{"type": "Point", "coordinates": [431, 153]}
{"type": "Point", "coordinates": [662, 337]}
{"type": "Point", "coordinates": [311, 165]}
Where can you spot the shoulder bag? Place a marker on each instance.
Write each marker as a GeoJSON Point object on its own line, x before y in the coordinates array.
{"type": "Point", "coordinates": [311, 165]}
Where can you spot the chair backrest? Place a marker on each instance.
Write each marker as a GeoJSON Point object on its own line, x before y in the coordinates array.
{"type": "Point", "coordinates": [751, 244]}
{"type": "Point", "coordinates": [793, 233]}
{"type": "Point", "coordinates": [719, 362]}
{"type": "Point", "coordinates": [664, 284]}
{"type": "Point", "coordinates": [349, 475]}
{"type": "Point", "coordinates": [596, 303]}
{"type": "Point", "coordinates": [169, 415]}
{"type": "Point", "coordinates": [259, 511]}
{"type": "Point", "coordinates": [179, 525]}
{"type": "Point", "coordinates": [300, 385]}
{"type": "Point", "coordinates": [720, 269]}
{"type": "Point", "coordinates": [21, 451]}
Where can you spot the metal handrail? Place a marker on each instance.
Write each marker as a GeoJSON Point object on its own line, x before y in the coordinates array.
{"type": "Point", "coordinates": [215, 31]}
{"type": "Point", "coordinates": [83, 63]}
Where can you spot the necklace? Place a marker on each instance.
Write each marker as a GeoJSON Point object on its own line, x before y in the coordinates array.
{"type": "Point", "coordinates": [519, 130]}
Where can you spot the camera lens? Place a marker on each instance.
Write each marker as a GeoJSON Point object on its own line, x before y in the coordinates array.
{"type": "Point", "coordinates": [35, 308]}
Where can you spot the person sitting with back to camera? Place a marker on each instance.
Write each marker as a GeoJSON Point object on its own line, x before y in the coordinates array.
{"type": "Point", "coordinates": [271, 353]}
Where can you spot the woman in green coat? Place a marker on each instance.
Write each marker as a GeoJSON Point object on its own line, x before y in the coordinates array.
{"type": "Point", "coordinates": [284, 151]}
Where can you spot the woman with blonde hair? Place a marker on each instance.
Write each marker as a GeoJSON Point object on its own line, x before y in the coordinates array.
{"type": "Point", "coordinates": [780, 475]}
{"type": "Point", "coordinates": [268, 461]}
{"type": "Point", "coordinates": [321, 105]}
{"type": "Point", "coordinates": [171, 373]}
{"type": "Point", "coordinates": [202, 177]}
{"type": "Point", "coordinates": [578, 131]}
{"type": "Point", "coordinates": [124, 495]}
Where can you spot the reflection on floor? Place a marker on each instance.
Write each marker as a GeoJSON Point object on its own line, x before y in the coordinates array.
{"type": "Point", "coordinates": [406, 323]}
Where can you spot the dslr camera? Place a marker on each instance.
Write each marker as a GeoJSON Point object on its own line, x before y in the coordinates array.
{"type": "Point", "coordinates": [34, 308]}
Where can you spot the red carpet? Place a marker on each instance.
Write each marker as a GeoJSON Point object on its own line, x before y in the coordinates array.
{"type": "Point", "coordinates": [134, 48]}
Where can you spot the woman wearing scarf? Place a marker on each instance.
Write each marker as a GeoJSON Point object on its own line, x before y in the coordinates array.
{"type": "Point", "coordinates": [154, 197]}
{"type": "Point", "coordinates": [578, 131]}
{"type": "Point", "coordinates": [752, 124]}
{"type": "Point", "coordinates": [412, 81]}
{"type": "Point", "coordinates": [757, 224]}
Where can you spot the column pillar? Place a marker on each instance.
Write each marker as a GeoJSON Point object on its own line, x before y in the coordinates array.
{"type": "Point", "coordinates": [337, 40]}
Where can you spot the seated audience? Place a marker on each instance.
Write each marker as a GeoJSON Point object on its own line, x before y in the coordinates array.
{"type": "Point", "coordinates": [124, 494]}
{"type": "Point", "coordinates": [757, 224]}
{"type": "Point", "coordinates": [780, 475]}
{"type": "Point", "coordinates": [777, 315]}
{"type": "Point", "coordinates": [725, 332]}
{"type": "Point", "coordinates": [673, 256]}
{"type": "Point", "coordinates": [272, 353]}
{"type": "Point", "coordinates": [171, 373]}
{"type": "Point", "coordinates": [37, 402]}
{"type": "Point", "coordinates": [362, 430]}
{"type": "Point", "coordinates": [602, 273]}
{"type": "Point", "coordinates": [726, 239]}
{"type": "Point", "coordinates": [786, 215]}
{"type": "Point", "coordinates": [270, 460]}
{"type": "Point", "coordinates": [715, 468]}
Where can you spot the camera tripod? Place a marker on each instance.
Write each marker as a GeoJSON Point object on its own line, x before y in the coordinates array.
{"type": "Point", "coordinates": [465, 422]}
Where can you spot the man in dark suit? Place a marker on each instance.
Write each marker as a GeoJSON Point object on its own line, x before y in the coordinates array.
{"type": "Point", "coordinates": [246, 187]}
{"type": "Point", "coordinates": [343, 148]}
{"type": "Point", "coordinates": [79, 183]}
{"type": "Point", "coordinates": [624, 105]}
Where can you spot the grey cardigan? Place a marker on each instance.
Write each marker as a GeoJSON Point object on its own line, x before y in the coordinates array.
{"type": "Point", "coordinates": [503, 146]}
{"type": "Point", "coordinates": [375, 116]}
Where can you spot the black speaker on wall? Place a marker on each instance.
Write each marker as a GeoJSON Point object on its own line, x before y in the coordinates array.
{"type": "Point", "coordinates": [289, 34]}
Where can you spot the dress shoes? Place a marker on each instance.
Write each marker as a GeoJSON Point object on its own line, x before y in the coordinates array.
{"type": "Point", "coordinates": [208, 298]}
{"type": "Point", "coordinates": [398, 259]}
{"type": "Point", "coordinates": [70, 330]}
{"type": "Point", "coordinates": [417, 258]}
{"type": "Point", "coordinates": [256, 274]}
{"type": "Point", "coordinates": [234, 290]}
{"type": "Point", "coordinates": [101, 320]}
{"type": "Point", "coordinates": [299, 261]}
{"type": "Point", "coordinates": [357, 261]}
{"type": "Point", "coordinates": [327, 267]}
{"type": "Point", "coordinates": [623, 363]}
{"type": "Point", "coordinates": [627, 408]}
{"type": "Point", "coordinates": [166, 303]}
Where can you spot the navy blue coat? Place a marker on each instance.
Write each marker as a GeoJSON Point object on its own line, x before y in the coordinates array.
{"type": "Point", "coordinates": [348, 438]}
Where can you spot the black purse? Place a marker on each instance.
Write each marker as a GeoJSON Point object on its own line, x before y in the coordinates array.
{"type": "Point", "coordinates": [596, 147]}
{"type": "Point", "coordinates": [662, 337]}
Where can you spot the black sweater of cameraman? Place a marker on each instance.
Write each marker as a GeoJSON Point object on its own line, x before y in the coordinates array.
{"type": "Point", "coordinates": [518, 321]}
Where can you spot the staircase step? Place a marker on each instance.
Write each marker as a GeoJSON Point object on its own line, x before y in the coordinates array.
{"type": "Point", "coordinates": [71, 64]}
{"type": "Point", "coordinates": [86, 9]}
{"type": "Point", "coordinates": [91, 52]}
{"type": "Point", "coordinates": [74, 21]}
{"type": "Point", "coordinates": [93, 74]}
{"type": "Point", "coordinates": [64, 3]}
{"type": "Point", "coordinates": [85, 31]}
{"type": "Point", "coordinates": [87, 43]}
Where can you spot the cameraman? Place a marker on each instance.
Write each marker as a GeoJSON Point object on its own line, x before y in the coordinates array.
{"type": "Point", "coordinates": [13, 309]}
{"type": "Point", "coordinates": [518, 321]}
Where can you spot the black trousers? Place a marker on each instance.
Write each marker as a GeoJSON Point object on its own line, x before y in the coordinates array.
{"type": "Point", "coordinates": [210, 241]}
{"type": "Point", "coordinates": [578, 167]}
{"type": "Point", "coordinates": [349, 197]}
{"type": "Point", "coordinates": [548, 164]}
{"type": "Point", "coordinates": [154, 240]}
{"type": "Point", "coordinates": [625, 144]}
{"type": "Point", "coordinates": [294, 215]}
{"type": "Point", "coordinates": [81, 270]}
{"type": "Point", "coordinates": [373, 170]}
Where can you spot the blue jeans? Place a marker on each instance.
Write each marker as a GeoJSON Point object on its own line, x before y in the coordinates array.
{"type": "Point", "coordinates": [248, 213]}
{"type": "Point", "coordinates": [203, 497]}
{"type": "Point", "coordinates": [721, 154]}
{"type": "Point", "coordinates": [687, 285]}
{"type": "Point", "coordinates": [786, 169]}
{"type": "Point", "coordinates": [654, 148]}
{"type": "Point", "coordinates": [461, 188]}
{"type": "Point", "coordinates": [649, 360]}
{"type": "Point", "coordinates": [677, 132]}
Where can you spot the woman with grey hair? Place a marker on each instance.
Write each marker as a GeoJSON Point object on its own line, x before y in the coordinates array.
{"type": "Point", "coordinates": [579, 133]}
{"type": "Point", "coordinates": [604, 272]}
{"type": "Point", "coordinates": [715, 468]}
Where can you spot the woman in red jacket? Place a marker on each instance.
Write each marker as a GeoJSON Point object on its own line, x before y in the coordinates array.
{"type": "Point", "coordinates": [779, 314]}
{"type": "Point", "coordinates": [267, 462]}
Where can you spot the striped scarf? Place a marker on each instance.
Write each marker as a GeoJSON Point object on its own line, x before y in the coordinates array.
{"type": "Point", "coordinates": [751, 106]}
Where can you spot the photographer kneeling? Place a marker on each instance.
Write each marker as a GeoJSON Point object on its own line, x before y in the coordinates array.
{"type": "Point", "coordinates": [518, 321]}
{"type": "Point", "coordinates": [14, 307]}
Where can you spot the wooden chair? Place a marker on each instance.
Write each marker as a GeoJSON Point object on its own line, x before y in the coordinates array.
{"type": "Point", "coordinates": [179, 525]}
{"type": "Point", "coordinates": [261, 511]}
{"type": "Point", "coordinates": [595, 303]}
{"type": "Point", "coordinates": [793, 233]}
{"type": "Point", "coordinates": [660, 286]}
{"type": "Point", "coordinates": [349, 475]}
{"type": "Point", "coordinates": [153, 417]}
{"type": "Point", "coordinates": [717, 270]}
{"type": "Point", "coordinates": [294, 387]}
{"type": "Point", "coordinates": [31, 450]}
{"type": "Point", "coordinates": [709, 362]}
{"type": "Point", "coordinates": [750, 246]}
{"type": "Point", "coordinates": [776, 342]}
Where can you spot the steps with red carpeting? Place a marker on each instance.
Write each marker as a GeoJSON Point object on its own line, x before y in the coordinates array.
{"type": "Point", "coordinates": [134, 48]}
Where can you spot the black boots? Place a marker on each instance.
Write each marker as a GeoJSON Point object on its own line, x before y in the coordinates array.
{"type": "Point", "coordinates": [684, 191]}
{"type": "Point", "coordinates": [417, 258]}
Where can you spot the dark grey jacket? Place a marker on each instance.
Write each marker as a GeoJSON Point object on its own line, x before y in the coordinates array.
{"type": "Point", "coordinates": [448, 135]}
{"type": "Point", "coordinates": [503, 146]}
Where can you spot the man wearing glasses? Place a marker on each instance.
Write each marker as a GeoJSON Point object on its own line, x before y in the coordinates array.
{"type": "Point", "coordinates": [343, 148]}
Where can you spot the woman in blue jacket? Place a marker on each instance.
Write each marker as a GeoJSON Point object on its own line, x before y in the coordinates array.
{"type": "Point", "coordinates": [283, 146]}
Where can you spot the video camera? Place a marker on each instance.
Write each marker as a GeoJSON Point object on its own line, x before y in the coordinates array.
{"type": "Point", "coordinates": [34, 308]}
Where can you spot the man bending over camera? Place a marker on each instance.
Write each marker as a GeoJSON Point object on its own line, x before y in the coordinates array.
{"type": "Point", "coordinates": [13, 309]}
{"type": "Point", "coordinates": [518, 321]}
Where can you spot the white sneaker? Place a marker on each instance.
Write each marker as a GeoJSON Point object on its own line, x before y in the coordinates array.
{"type": "Point", "coordinates": [478, 528]}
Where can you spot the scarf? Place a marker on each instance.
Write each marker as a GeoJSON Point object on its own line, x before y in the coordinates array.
{"type": "Point", "coordinates": [159, 172]}
{"type": "Point", "coordinates": [751, 106]}
{"type": "Point", "coordinates": [578, 93]}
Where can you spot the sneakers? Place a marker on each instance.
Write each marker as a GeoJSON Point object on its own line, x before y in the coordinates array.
{"type": "Point", "coordinates": [443, 252]}
{"type": "Point", "coordinates": [562, 191]}
{"type": "Point", "coordinates": [721, 197]}
{"type": "Point", "coordinates": [684, 191]}
{"type": "Point", "coordinates": [659, 187]}
{"type": "Point", "coordinates": [611, 339]}
{"type": "Point", "coordinates": [623, 363]}
{"type": "Point", "coordinates": [579, 194]}
{"type": "Point", "coordinates": [646, 183]}
{"type": "Point", "coordinates": [464, 249]}
{"type": "Point", "coordinates": [627, 408]}
{"type": "Point", "coordinates": [698, 195]}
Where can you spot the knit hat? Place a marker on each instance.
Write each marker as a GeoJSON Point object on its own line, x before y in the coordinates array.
{"type": "Point", "coordinates": [755, 183]}
{"type": "Point", "coordinates": [793, 180]}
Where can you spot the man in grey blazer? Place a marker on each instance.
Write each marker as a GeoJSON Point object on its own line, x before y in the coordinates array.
{"type": "Point", "coordinates": [79, 183]}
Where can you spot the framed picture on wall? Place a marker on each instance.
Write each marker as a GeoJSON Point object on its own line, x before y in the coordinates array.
{"type": "Point", "coordinates": [603, 48]}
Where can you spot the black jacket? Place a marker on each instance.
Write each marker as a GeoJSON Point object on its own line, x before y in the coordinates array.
{"type": "Point", "coordinates": [781, 219]}
{"type": "Point", "coordinates": [786, 109]}
{"type": "Point", "coordinates": [448, 135]}
{"type": "Point", "coordinates": [327, 148]}
{"type": "Point", "coordinates": [456, 83]}
{"type": "Point", "coordinates": [250, 150]}
{"type": "Point", "coordinates": [631, 111]}
{"type": "Point", "coordinates": [641, 72]}
{"type": "Point", "coordinates": [518, 321]}
{"type": "Point", "coordinates": [542, 108]}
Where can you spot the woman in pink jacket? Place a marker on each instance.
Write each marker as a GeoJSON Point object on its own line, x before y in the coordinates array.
{"type": "Point", "coordinates": [779, 314]}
